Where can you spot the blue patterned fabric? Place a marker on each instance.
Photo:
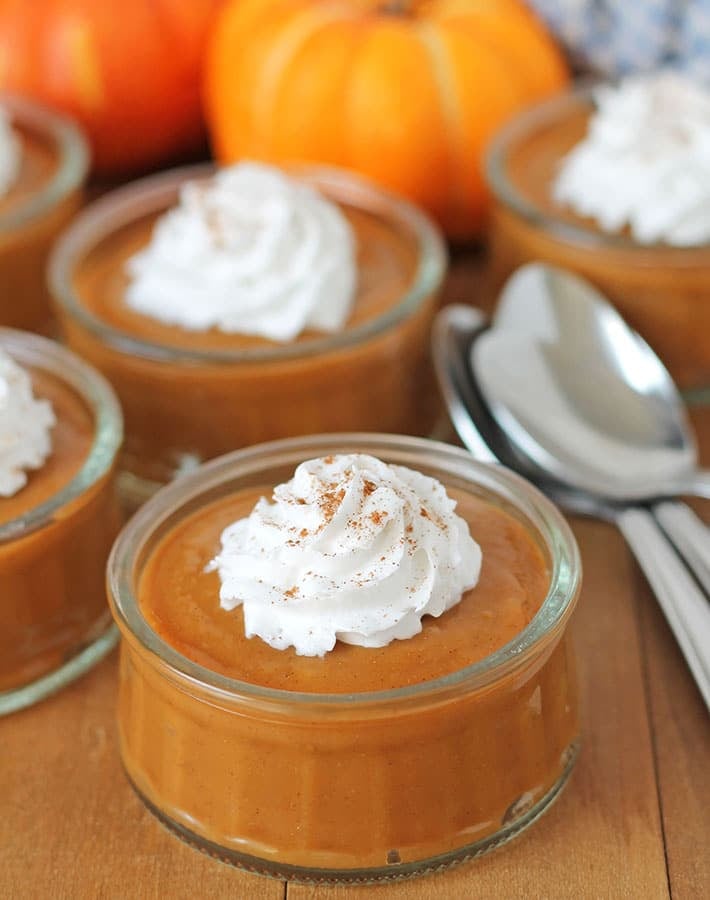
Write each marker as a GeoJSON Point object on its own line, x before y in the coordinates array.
{"type": "Point", "coordinates": [616, 37]}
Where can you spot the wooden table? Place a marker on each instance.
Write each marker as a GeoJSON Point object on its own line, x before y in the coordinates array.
{"type": "Point", "coordinates": [634, 821]}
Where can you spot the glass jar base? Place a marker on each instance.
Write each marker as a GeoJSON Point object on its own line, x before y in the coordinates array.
{"type": "Point", "coordinates": [29, 694]}
{"type": "Point", "coordinates": [134, 491]}
{"type": "Point", "coordinates": [141, 476]}
{"type": "Point", "coordinates": [138, 483]}
{"type": "Point", "coordinates": [395, 871]}
{"type": "Point", "coordinates": [697, 397]}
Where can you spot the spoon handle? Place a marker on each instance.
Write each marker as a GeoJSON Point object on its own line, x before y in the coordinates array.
{"type": "Point", "coordinates": [697, 484]}
{"type": "Point", "coordinates": [684, 605]}
{"type": "Point", "coordinates": [690, 536]}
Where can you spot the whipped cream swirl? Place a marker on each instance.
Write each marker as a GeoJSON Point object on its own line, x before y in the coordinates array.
{"type": "Point", "coordinates": [645, 162]}
{"type": "Point", "coordinates": [350, 549]}
{"type": "Point", "coordinates": [25, 424]}
{"type": "Point", "coordinates": [249, 251]}
{"type": "Point", "coordinates": [10, 153]}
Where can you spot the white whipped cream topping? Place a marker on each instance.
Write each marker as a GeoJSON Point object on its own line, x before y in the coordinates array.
{"type": "Point", "coordinates": [10, 153]}
{"type": "Point", "coordinates": [25, 424]}
{"type": "Point", "coordinates": [645, 162]}
{"type": "Point", "coordinates": [249, 251]}
{"type": "Point", "coordinates": [350, 549]}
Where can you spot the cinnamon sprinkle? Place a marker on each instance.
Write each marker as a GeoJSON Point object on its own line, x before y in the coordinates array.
{"type": "Point", "coordinates": [330, 502]}
{"type": "Point", "coordinates": [368, 487]}
{"type": "Point", "coordinates": [425, 514]}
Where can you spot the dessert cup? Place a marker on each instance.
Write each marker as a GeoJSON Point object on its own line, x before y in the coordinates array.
{"type": "Point", "coordinates": [188, 396]}
{"type": "Point", "coordinates": [55, 536]}
{"type": "Point", "coordinates": [661, 290]}
{"type": "Point", "coordinates": [48, 192]}
{"type": "Point", "coordinates": [355, 786]}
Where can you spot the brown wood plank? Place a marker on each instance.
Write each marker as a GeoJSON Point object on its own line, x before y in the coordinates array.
{"type": "Point", "coordinates": [72, 828]}
{"type": "Point", "coordinates": [603, 838]}
{"type": "Point", "coordinates": [681, 731]}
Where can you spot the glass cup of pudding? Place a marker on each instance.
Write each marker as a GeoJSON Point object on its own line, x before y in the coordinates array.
{"type": "Point", "coordinates": [368, 763]}
{"type": "Point", "coordinates": [660, 289]}
{"type": "Point", "coordinates": [189, 395]}
{"type": "Point", "coordinates": [36, 203]}
{"type": "Point", "coordinates": [57, 529]}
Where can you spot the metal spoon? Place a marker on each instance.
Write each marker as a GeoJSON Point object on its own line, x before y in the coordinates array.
{"type": "Point", "coordinates": [456, 330]}
{"type": "Point", "coordinates": [582, 397]}
{"type": "Point", "coordinates": [582, 394]}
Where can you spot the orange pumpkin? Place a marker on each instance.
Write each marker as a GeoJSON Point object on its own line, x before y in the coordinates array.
{"type": "Point", "coordinates": [128, 70]}
{"type": "Point", "coordinates": [408, 93]}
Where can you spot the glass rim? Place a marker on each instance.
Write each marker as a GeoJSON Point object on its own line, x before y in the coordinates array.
{"type": "Point", "coordinates": [72, 168]}
{"type": "Point", "coordinates": [42, 353]}
{"type": "Point", "coordinates": [526, 123]}
{"type": "Point", "coordinates": [539, 512]}
{"type": "Point", "coordinates": [91, 226]}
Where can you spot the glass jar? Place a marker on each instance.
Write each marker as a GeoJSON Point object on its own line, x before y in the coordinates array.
{"type": "Point", "coordinates": [47, 193]}
{"type": "Point", "coordinates": [189, 396]}
{"type": "Point", "coordinates": [54, 620]}
{"type": "Point", "coordinates": [356, 787]}
{"type": "Point", "coordinates": [660, 290]}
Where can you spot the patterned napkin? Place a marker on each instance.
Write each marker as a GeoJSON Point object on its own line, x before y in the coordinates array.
{"type": "Point", "coordinates": [615, 37]}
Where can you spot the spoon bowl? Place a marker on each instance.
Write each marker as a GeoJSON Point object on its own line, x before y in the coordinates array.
{"type": "Point", "coordinates": [456, 330]}
{"type": "Point", "coordinates": [580, 396]}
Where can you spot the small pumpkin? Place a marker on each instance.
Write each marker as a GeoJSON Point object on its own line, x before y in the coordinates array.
{"type": "Point", "coordinates": [408, 93]}
{"type": "Point", "coordinates": [128, 71]}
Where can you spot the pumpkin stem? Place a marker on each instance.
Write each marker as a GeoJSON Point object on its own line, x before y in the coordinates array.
{"type": "Point", "coordinates": [396, 8]}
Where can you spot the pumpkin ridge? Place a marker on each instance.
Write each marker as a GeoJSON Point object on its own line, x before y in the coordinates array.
{"type": "Point", "coordinates": [165, 25]}
{"type": "Point", "coordinates": [88, 79]}
{"type": "Point", "coordinates": [347, 34]}
{"type": "Point", "coordinates": [368, 25]}
{"type": "Point", "coordinates": [476, 25]}
{"type": "Point", "coordinates": [295, 34]}
{"type": "Point", "coordinates": [440, 60]}
{"type": "Point", "coordinates": [470, 29]}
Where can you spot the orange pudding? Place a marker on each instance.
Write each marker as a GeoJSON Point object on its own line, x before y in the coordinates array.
{"type": "Point", "coordinates": [56, 531]}
{"type": "Point", "coordinates": [660, 290]}
{"type": "Point", "coordinates": [177, 598]}
{"type": "Point", "coordinates": [364, 764]}
{"type": "Point", "coordinates": [188, 396]}
{"type": "Point", "coordinates": [38, 205]}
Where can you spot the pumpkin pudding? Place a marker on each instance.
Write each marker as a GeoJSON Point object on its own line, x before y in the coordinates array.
{"type": "Point", "coordinates": [364, 675]}
{"type": "Point", "coordinates": [249, 338]}
{"type": "Point", "coordinates": [43, 165]}
{"type": "Point", "coordinates": [619, 200]}
{"type": "Point", "coordinates": [60, 428]}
